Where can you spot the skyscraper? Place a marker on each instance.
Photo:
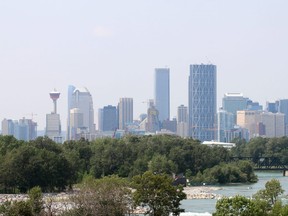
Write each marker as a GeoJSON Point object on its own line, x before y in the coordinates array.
{"type": "Point", "coordinates": [152, 119]}
{"type": "Point", "coordinates": [233, 102]}
{"type": "Point", "coordinates": [182, 121]}
{"type": "Point", "coordinates": [7, 127]}
{"type": "Point", "coordinates": [125, 112]}
{"type": "Point", "coordinates": [109, 118]}
{"type": "Point", "coordinates": [162, 93]}
{"type": "Point", "coordinates": [283, 108]}
{"type": "Point", "coordinates": [81, 99]}
{"type": "Point", "coordinates": [100, 119]}
{"type": "Point", "coordinates": [202, 102]}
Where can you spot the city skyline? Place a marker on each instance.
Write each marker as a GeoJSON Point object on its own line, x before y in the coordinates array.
{"type": "Point", "coordinates": [113, 51]}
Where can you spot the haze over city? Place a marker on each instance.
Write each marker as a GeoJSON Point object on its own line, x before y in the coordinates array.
{"type": "Point", "coordinates": [113, 47]}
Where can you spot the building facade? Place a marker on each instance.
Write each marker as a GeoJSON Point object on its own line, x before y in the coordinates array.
{"type": "Point", "coordinates": [81, 99]}
{"type": "Point", "coordinates": [125, 112]}
{"type": "Point", "coordinates": [202, 102]}
{"type": "Point", "coordinates": [110, 118]}
{"type": "Point", "coordinates": [162, 93]}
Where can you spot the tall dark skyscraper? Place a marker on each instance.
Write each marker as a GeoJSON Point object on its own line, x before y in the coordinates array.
{"type": "Point", "coordinates": [109, 118]}
{"type": "Point", "coordinates": [162, 93]}
{"type": "Point", "coordinates": [202, 102]}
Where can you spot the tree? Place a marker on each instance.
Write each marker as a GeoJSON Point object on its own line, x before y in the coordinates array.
{"type": "Point", "coordinates": [158, 193]}
{"type": "Point", "coordinates": [35, 200]}
{"type": "Point", "coordinates": [271, 192]}
{"type": "Point", "coordinates": [160, 165]}
{"type": "Point", "coordinates": [264, 203]}
{"type": "Point", "coordinates": [109, 196]}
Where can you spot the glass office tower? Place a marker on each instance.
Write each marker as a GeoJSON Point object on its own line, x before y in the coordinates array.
{"type": "Point", "coordinates": [162, 93]}
{"type": "Point", "coordinates": [202, 102]}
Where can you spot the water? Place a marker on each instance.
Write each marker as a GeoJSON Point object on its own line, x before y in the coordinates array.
{"type": "Point", "coordinates": [247, 190]}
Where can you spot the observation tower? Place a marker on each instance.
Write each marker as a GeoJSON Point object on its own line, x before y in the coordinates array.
{"type": "Point", "coordinates": [54, 95]}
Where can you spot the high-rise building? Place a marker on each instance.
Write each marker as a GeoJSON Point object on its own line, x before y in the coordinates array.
{"type": "Point", "coordinates": [24, 129]}
{"type": "Point", "coordinates": [272, 107]}
{"type": "Point", "coordinates": [249, 119]}
{"type": "Point", "coordinates": [7, 127]}
{"type": "Point", "coordinates": [182, 121]}
{"type": "Point", "coordinates": [100, 119]}
{"type": "Point", "coordinates": [252, 105]}
{"type": "Point", "coordinates": [233, 102]}
{"type": "Point", "coordinates": [170, 125]}
{"type": "Point", "coordinates": [283, 108]}
{"type": "Point", "coordinates": [53, 124]}
{"type": "Point", "coordinates": [125, 112]}
{"type": "Point", "coordinates": [81, 99]}
{"type": "Point", "coordinates": [152, 120]}
{"type": "Point", "coordinates": [225, 122]}
{"type": "Point", "coordinates": [162, 93]}
{"type": "Point", "coordinates": [109, 118]}
{"type": "Point", "coordinates": [273, 124]}
{"type": "Point", "coordinates": [261, 123]}
{"type": "Point", "coordinates": [202, 102]}
{"type": "Point", "coordinates": [77, 127]}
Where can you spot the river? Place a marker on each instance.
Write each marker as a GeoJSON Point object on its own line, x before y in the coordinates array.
{"type": "Point", "coordinates": [206, 207]}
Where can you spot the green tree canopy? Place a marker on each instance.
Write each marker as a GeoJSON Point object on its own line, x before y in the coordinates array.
{"type": "Point", "coordinates": [158, 194]}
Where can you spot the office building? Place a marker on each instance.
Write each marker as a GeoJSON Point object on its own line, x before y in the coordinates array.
{"type": "Point", "coordinates": [162, 93]}
{"type": "Point", "coordinates": [251, 105]}
{"type": "Point", "coordinates": [259, 123]}
{"type": "Point", "coordinates": [125, 112]}
{"type": "Point", "coordinates": [7, 127]}
{"type": "Point", "coordinates": [170, 125]}
{"type": "Point", "coordinates": [202, 102]}
{"type": "Point", "coordinates": [109, 118]}
{"type": "Point", "coordinates": [283, 108]}
{"type": "Point", "coordinates": [272, 107]}
{"type": "Point", "coordinates": [24, 129]}
{"type": "Point", "coordinates": [77, 127]}
{"type": "Point", "coordinates": [100, 119]}
{"type": "Point", "coordinates": [273, 124]}
{"type": "Point", "coordinates": [233, 102]}
{"type": "Point", "coordinates": [81, 99]}
{"type": "Point", "coordinates": [152, 124]}
{"type": "Point", "coordinates": [53, 124]}
{"type": "Point", "coordinates": [225, 124]}
{"type": "Point", "coordinates": [182, 121]}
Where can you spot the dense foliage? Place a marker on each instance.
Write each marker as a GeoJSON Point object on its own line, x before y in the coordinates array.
{"type": "Point", "coordinates": [53, 167]}
{"type": "Point", "coordinates": [241, 171]}
{"type": "Point", "coordinates": [107, 196]}
{"type": "Point", "coordinates": [158, 194]}
{"type": "Point", "coordinates": [263, 147]}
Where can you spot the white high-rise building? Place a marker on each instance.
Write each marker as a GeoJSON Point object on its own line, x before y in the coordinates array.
{"type": "Point", "coordinates": [182, 121]}
{"type": "Point", "coordinates": [125, 112]}
{"type": "Point", "coordinates": [81, 99]}
{"type": "Point", "coordinates": [76, 124]}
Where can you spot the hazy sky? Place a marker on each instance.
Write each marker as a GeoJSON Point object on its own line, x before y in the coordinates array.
{"type": "Point", "coordinates": [112, 47]}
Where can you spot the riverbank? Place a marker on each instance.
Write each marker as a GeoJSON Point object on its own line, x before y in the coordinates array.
{"type": "Point", "coordinates": [57, 203]}
{"type": "Point", "coordinates": [202, 192]}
